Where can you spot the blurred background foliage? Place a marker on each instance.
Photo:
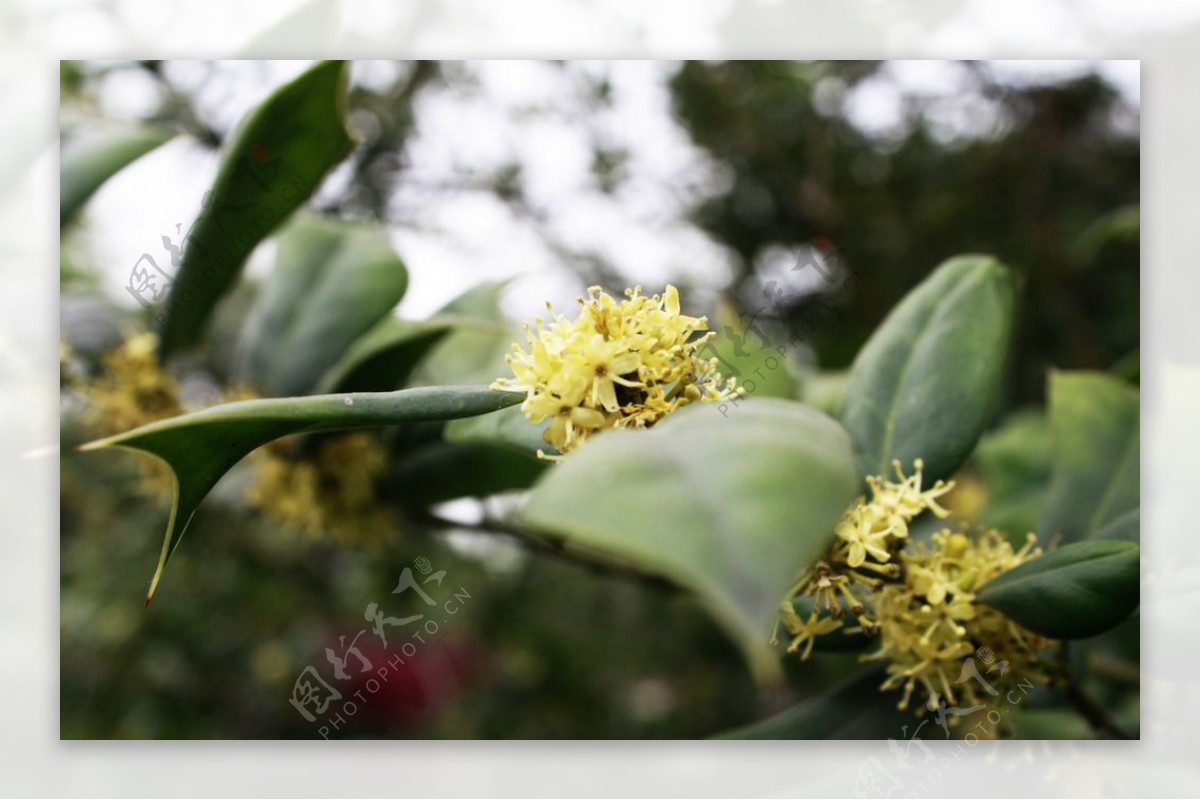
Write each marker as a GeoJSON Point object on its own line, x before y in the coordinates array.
{"type": "Point", "coordinates": [1043, 173]}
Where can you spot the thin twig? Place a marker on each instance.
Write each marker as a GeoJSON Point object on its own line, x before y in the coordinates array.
{"type": "Point", "coordinates": [595, 561]}
{"type": "Point", "coordinates": [1096, 716]}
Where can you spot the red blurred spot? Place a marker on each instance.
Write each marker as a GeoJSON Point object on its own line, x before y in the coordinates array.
{"type": "Point", "coordinates": [258, 153]}
{"type": "Point", "coordinates": [417, 689]}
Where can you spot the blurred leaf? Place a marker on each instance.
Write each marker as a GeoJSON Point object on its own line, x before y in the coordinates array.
{"type": "Point", "coordinates": [91, 158]}
{"type": "Point", "coordinates": [91, 324]}
{"type": "Point", "coordinates": [332, 283]}
{"type": "Point", "coordinates": [202, 446]}
{"type": "Point", "coordinates": [1097, 447]}
{"type": "Point", "coordinates": [385, 358]}
{"type": "Point", "coordinates": [824, 389]}
{"type": "Point", "coordinates": [1013, 462]}
{"type": "Point", "coordinates": [1129, 367]}
{"type": "Point", "coordinates": [728, 503]}
{"type": "Point", "coordinates": [1050, 723]}
{"type": "Point", "coordinates": [854, 709]}
{"type": "Point", "coordinates": [1127, 527]}
{"type": "Point", "coordinates": [475, 353]}
{"type": "Point", "coordinates": [1122, 226]}
{"type": "Point", "coordinates": [273, 162]}
{"type": "Point", "coordinates": [746, 354]}
{"type": "Point", "coordinates": [445, 471]}
{"type": "Point", "coordinates": [923, 385]}
{"type": "Point", "coordinates": [508, 428]}
{"type": "Point", "coordinates": [1076, 591]}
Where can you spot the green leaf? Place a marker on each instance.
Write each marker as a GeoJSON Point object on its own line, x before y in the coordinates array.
{"type": "Point", "coordinates": [1128, 367]}
{"type": "Point", "coordinates": [1127, 527]}
{"type": "Point", "coordinates": [445, 471]}
{"type": "Point", "coordinates": [90, 158]}
{"type": "Point", "coordinates": [1121, 226]}
{"type": "Point", "coordinates": [824, 389]}
{"type": "Point", "coordinates": [761, 367]}
{"type": "Point", "coordinates": [854, 709]}
{"type": "Point", "coordinates": [1050, 723]}
{"type": "Point", "coordinates": [473, 353]}
{"type": "Point", "coordinates": [386, 357]}
{"type": "Point", "coordinates": [270, 166]}
{"type": "Point", "coordinates": [1097, 449]}
{"type": "Point", "coordinates": [1013, 462]}
{"type": "Point", "coordinates": [509, 429]}
{"type": "Point", "coordinates": [1076, 591]}
{"type": "Point", "coordinates": [202, 446]}
{"type": "Point", "coordinates": [729, 504]}
{"type": "Point", "coordinates": [332, 282]}
{"type": "Point", "coordinates": [923, 385]}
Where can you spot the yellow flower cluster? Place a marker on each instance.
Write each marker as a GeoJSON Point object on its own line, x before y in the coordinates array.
{"type": "Point", "coordinates": [929, 624]}
{"type": "Point", "coordinates": [617, 365]}
{"type": "Point", "coordinates": [329, 495]}
{"type": "Point", "coordinates": [133, 389]}
{"type": "Point", "coordinates": [918, 598]}
{"type": "Point", "coordinates": [873, 529]}
{"type": "Point", "coordinates": [868, 535]}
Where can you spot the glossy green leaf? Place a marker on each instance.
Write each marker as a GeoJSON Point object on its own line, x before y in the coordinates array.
{"type": "Point", "coordinates": [270, 166]}
{"type": "Point", "coordinates": [924, 384]}
{"type": "Point", "coordinates": [385, 358]}
{"type": "Point", "coordinates": [854, 709]}
{"type": "Point", "coordinates": [1097, 454]}
{"type": "Point", "coordinates": [91, 158]}
{"type": "Point", "coordinates": [1076, 591]}
{"type": "Point", "coordinates": [202, 446]}
{"type": "Point", "coordinates": [332, 283]}
{"type": "Point", "coordinates": [728, 503]}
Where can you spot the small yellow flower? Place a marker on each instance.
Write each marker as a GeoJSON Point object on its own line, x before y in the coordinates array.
{"type": "Point", "coordinates": [617, 365]}
{"type": "Point", "coordinates": [874, 528]}
{"type": "Point", "coordinates": [133, 389]}
{"type": "Point", "coordinates": [609, 360]}
{"type": "Point", "coordinates": [898, 503]}
{"type": "Point", "coordinates": [861, 532]}
{"type": "Point", "coordinates": [805, 631]}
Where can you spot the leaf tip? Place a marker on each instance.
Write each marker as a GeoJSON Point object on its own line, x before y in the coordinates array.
{"type": "Point", "coordinates": [153, 586]}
